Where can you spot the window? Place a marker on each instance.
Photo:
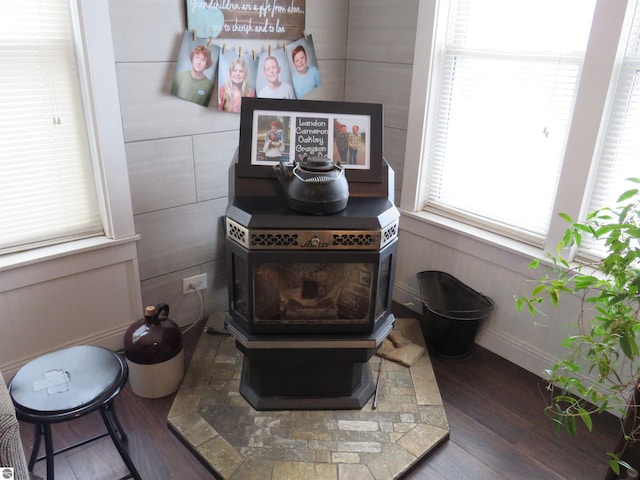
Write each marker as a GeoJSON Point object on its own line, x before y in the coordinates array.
{"type": "Point", "coordinates": [505, 91]}
{"type": "Point", "coordinates": [47, 182]}
{"type": "Point", "coordinates": [619, 155]}
{"type": "Point", "coordinates": [507, 134]}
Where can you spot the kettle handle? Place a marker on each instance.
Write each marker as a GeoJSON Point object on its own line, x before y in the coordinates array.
{"type": "Point", "coordinates": [162, 310]}
{"type": "Point", "coordinates": [283, 170]}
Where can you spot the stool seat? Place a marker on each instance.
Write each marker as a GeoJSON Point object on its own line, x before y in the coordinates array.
{"type": "Point", "coordinates": [67, 384]}
{"type": "Point", "coordinates": [59, 384]}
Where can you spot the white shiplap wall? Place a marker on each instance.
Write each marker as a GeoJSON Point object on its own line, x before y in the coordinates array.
{"type": "Point", "coordinates": [379, 65]}
{"type": "Point", "coordinates": [179, 153]}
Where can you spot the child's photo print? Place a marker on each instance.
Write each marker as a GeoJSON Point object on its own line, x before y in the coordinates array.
{"type": "Point", "coordinates": [195, 70]}
{"type": "Point", "coordinates": [301, 56]}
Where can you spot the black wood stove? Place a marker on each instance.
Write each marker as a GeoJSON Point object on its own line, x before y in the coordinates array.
{"type": "Point", "coordinates": [309, 295]}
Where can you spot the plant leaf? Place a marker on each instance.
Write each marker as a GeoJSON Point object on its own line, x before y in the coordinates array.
{"type": "Point", "coordinates": [586, 418]}
{"type": "Point", "coordinates": [565, 217]}
{"type": "Point", "coordinates": [537, 290]}
{"type": "Point", "coordinates": [584, 281]}
{"type": "Point", "coordinates": [627, 195]}
{"type": "Point", "coordinates": [613, 464]}
{"type": "Point", "coordinates": [627, 343]}
{"type": "Point", "coordinates": [570, 425]}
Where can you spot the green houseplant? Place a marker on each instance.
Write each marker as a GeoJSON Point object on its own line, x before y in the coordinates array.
{"type": "Point", "coordinates": [601, 370]}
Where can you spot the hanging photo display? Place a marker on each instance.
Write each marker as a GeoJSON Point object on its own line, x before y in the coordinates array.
{"type": "Point", "coordinates": [248, 19]}
{"type": "Point", "coordinates": [205, 71]}
{"type": "Point", "coordinates": [195, 70]}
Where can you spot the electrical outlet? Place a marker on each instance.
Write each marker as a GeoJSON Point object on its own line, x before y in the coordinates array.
{"type": "Point", "coordinates": [195, 283]}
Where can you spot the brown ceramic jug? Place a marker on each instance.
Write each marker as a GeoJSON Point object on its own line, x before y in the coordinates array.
{"type": "Point", "coordinates": [154, 353]}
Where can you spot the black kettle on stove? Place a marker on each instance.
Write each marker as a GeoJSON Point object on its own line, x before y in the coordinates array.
{"type": "Point", "coordinates": [314, 185]}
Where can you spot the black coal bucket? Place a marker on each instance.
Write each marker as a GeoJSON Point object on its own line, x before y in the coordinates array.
{"type": "Point", "coordinates": [452, 312]}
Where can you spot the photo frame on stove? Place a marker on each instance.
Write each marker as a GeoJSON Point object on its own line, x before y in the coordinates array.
{"type": "Point", "coordinates": [275, 130]}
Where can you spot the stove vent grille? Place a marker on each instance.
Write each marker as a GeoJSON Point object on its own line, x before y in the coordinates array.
{"type": "Point", "coordinates": [311, 239]}
{"type": "Point", "coordinates": [237, 232]}
{"type": "Point", "coordinates": [271, 240]}
{"type": "Point", "coordinates": [389, 233]}
{"type": "Point", "coordinates": [351, 240]}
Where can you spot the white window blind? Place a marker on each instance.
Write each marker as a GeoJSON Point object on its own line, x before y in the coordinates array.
{"type": "Point", "coordinates": [507, 79]}
{"type": "Point", "coordinates": [47, 187]}
{"type": "Point", "coordinates": [620, 153]}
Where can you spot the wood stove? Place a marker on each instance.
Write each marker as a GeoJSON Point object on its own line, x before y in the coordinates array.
{"type": "Point", "coordinates": [309, 295]}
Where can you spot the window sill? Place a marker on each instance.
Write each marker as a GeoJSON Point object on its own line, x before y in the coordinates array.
{"type": "Point", "coordinates": [492, 247]}
{"type": "Point", "coordinates": [42, 264]}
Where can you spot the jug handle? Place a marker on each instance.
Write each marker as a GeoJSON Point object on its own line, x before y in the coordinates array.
{"type": "Point", "coordinates": [162, 309]}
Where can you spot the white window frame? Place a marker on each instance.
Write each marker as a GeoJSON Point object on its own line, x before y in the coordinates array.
{"type": "Point", "coordinates": [110, 165]}
{"type": "Point", "coordinates": [610, 23]}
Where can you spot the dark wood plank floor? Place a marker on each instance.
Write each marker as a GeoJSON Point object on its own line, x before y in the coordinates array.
{"type": "Point", "coordinates": [498, 431]}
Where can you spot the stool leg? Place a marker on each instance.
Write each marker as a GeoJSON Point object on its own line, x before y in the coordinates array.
{"type": "Point", "coordinates": [36, 445]}
{"type": "Point", "coordinates": [116, 423]}
{"type": "Point", "coordinates": [48, 449]}
{"type": "Point", "coordinates": [40, 430]}
{"type": "Point", "coordinates": [115, 431]}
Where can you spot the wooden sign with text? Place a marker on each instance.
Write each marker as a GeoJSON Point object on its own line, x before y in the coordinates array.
{"type": "Point", "coordinates": [249, 19]}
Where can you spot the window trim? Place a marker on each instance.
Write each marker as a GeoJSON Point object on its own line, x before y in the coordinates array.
{"type": "Point", "coordinates": [110, 164]}
{"type": "Point", "coordinates": [593, 95]}
{"type": "Point", "coordinates": [110, 158]}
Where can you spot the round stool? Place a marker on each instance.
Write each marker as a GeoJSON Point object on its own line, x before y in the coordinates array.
{"type": "Point", "coordinates": [68, 384]}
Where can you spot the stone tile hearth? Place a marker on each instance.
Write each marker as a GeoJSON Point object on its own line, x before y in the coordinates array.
{"type": "Point", "coordinates": [240, 443]}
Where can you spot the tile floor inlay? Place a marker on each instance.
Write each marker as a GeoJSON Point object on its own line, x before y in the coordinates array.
{"type": "Point", "coordinates": [240, 443]}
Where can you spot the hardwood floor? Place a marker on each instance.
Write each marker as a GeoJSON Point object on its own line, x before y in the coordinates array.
{"type": "Point", "coordinates": [498, 431]}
